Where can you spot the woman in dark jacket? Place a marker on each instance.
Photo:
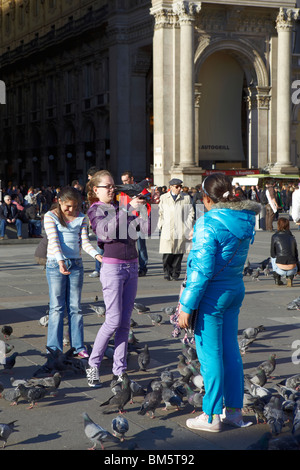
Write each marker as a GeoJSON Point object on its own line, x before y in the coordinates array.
{"type": "Point", "coordinates": [284, 253]}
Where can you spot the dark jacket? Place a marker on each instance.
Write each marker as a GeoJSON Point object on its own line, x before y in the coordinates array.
{"type": "Point", "coordinates": [284, 247]}
{"type": "Point", "coordinates": [4, 211]}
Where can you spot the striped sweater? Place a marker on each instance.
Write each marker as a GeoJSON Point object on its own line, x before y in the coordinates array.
{"type": "Point", "coordinates": [66, 242]}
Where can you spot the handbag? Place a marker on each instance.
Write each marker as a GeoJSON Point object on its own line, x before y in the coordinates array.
{"type": "Point", "coordinates": [174, 319]}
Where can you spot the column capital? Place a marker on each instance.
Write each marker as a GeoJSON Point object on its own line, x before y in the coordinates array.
{"type": "Point", "coordinates": [164, 17]}
{"type": "Point", "coordinates": [286, 17]}
{"type": "Point", "coordinates": [186, 10]}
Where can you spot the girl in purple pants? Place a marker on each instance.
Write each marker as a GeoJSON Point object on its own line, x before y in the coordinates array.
{"type": "Point", "coordinates": [115, 228]}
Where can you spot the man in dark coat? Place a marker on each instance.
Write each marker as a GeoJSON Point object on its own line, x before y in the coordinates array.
{"type": "Point", "coordinates": [9, 214]}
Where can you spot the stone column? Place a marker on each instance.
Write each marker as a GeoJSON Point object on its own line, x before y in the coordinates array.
{"type": "Point", "coordinates": [186, 12]}
{"type": "Point", "coordinates": [284, 25]}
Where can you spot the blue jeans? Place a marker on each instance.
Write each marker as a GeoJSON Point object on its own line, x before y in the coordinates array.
{"type": "Point", "coordinates": [143, 255]}
{"type": "Point", "coordinates": [282, 272]}
{"type": "Point", "coordinates": [217, 347]}
{"type": "Point", "coordinates": [34, 227]}
{"type": "Point", "coordinates": [3, 224]}
{"type": "Point", "coordinates": [65, 293]}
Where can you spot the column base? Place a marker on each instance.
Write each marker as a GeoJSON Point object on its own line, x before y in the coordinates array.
{"type": "Point", "coordinates": [284, 169]}
{"type": "Point", "coordinates": [190, 175]}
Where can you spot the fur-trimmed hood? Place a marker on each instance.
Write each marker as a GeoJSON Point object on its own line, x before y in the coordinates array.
{"type": "Point", "coordinates": [237, 217]}
{"type": "Point", "coordinates": [244, 205]}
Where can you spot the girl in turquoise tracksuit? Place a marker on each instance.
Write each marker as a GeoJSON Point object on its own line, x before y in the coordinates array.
{"type": "Point", "coordinates": [216, 289]}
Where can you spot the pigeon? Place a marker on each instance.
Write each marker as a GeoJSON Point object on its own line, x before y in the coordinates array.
{"type": "Point", "coordinates": [269, 365]}
{"type": "Point", "coordinates": [267, 271]}
{"type": "Point", "coordinates": [140, 308]}
{"type": "Point", "coordinates": [136, 390]}
{"type": "Point", "coordinates": [169, 310]}
{"type": "Point", "coordinates": [293, 382]}
{"type": "Point", "coordinates": [247, 269]}
{"type": "Point", "coordinates": [167, 377]}
{"type": "Point", "coordinates": [255, 390]}
{"type": "Point", "coordinates": [155, 318]}
{"type": "Point", "coordinates": [198, 381]}
{"type": "Point", "coordinates": [194, 398]}
{"type": "Point", "coordinates": [189, 352]}
{"type": "Point", "coordinates": [32, 394]}
{"type": "Point", "coordinates": [133, 323]}
{"type": "Point", "coordinates": [296, 418]}
{"type": "Point", "coordinates": [99, 310]}
{"type": "Point", "coordinates": [50, 383]}
{"type": "Point", "coordinates": [95, 433]}
{"type": "Point", "coordinates": [151, 401]}
{"type": "Point", "coordinates": [12, 395]}
{"type": "Point", "coordinates": [10, 361]}
{"type": "Point", "coordinates": [244, 344]}
{"type": "Point", "coordinates": [294, 304]}
{"type": "Point", "coordinates": [7, 331]}
{"type": "Point", "coordinates": [255, 274]}
{"type": "Point", "coordinates": [121, 396]}
{"type": "Point", "coordinates": [274, 415]}
{"type": "Point", "coordinates": [262, 443]}
{"type": "Point", "coordinates": [252, 332]}
{"type": "Point", "coordinates": [120, 426]}
{"type": "Point", "coordinates": [265, 263]}
{"type": "Point", "coordinates": [258, 377]}
{"type": "Point", "coordinates": [285, 442]}
{"type": "Point", "coordinates": [144, 358]}
{"type": "Point", "coordinates": [43, 321]}
{"type": "Point", "coordinates": [132, 190]}
{"type": "Point", "coordinates": [6, 430]}
{"type": "Point", "coordinates": [171, 398]}
{"type": "Point", "coordinates": [132, 338]}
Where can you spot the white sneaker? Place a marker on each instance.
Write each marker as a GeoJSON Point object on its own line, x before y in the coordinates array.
{"type": "Point", "coordinates": [201, 423]}
{"type": "Point", "coordinates": [234, 418]}
{"type": "Point", "coordinates": [93, 379]}
{"type": "Point", "coordinates": [94, 274]}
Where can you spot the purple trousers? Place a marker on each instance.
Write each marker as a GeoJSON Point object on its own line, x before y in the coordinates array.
{"type": "Point", "coordinates": [119, 286]}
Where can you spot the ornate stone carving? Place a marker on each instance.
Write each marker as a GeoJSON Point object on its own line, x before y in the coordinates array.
{"type": "Point", "coordinates": [286, 17]}
{"type": "Point", "coordinates": [164, 18]}
{"type": "Point", "coordinates": [186, 10]}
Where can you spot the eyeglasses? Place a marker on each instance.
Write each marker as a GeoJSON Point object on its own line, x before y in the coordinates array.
{"type": "Point", "coordinates": [177, 186]}
{"type": "Point", "coordinates": [108, 186]}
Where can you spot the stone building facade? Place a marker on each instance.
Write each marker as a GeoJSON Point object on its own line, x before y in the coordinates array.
{"type": "Point", "coordinates": [163, 87]}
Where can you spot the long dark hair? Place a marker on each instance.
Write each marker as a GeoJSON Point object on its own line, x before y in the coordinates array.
{"type": "Point", "coordinates": [68, 193]}
{"type": "Point", "coordinates": [219, 188]}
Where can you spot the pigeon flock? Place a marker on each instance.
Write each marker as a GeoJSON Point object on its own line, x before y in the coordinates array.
{"type": "Point", "coordinates": [178, 389]}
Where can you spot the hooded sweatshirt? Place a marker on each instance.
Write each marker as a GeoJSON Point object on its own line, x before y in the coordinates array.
{"type": "Point", "coordinates": [221, 242]}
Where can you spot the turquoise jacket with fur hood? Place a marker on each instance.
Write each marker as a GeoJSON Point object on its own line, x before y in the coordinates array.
{"type": "Point", "coordinates": [224, 233]}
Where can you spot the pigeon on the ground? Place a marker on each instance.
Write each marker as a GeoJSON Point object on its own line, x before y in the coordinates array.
{"type": "Point", "coordinates": [255, 274]}
{"type": "Point", "coordinates": [121, 396]}
{"type": "Point", "coordinates": [12, 395]}
{"type": "Point", "coordinates": [296, 418]}
{"type": "Point", "coordinates": [244, 344]}
{"type": "Point", "coordinates": [144, 358]}
{"type": "Point", "coordinates": [155, 318]}
{"type": "Point", "coordinates": [189, 352]}
{"type": "Point", "coordinates": [132, 339]}
{"type": "Point", "coordinates": [151, 401]}
{"type": "Point", "coordinates": [169, 310]}
{"type": "Point", "coordinates": [255, 390]}
{"type": "Point", "coordinates": [247, 269]}
{"type": "Point", "coordinates": [285, 442]}
{"type": "Point", "coordinates": [269, 365]}
{"type": "Point", "coordinates": [252, 332]}
{"type": "Point", "coordinates": [265, 263]}
{"type": "Point", "coordinates": [32, 394]}
{"type": "Point", "coordinates": [194, 398]}
{"type": "Point", "coordinates": [258, 377]}
{"type": "Point", "coordinates": [99, 310]}
{"type": "Point", "coordinates": [293, 382]}
{"type": "Point", "coordinates": [120, 427]}
{"type": "Point", "coordinates": [171, 398]}
{"type": "Point", "coordinates": [95, 433]}
{"type": "Point", "coordinates": [136, 390]}
{"type": "Point", "coordinates": [6, 430]}
{"type": "Point", "coordinates": [294, 304]}
{"type": "Point", "coordinates": [43, 321]}
{"type": "Point", "coordinates": [140, 308]}
{"type": "Point", "coordinates": [10, 361]}
{"type": "Point", "coordinates": [7, 331]}
{"type": "Point", "coordinates": [50, 383]}
{"type": "Point", "coordinates": [133, 323]}
{"type": "Point", "coordinates": [274, 415]}
{"type": "Point", "coordinates": [167, 377]}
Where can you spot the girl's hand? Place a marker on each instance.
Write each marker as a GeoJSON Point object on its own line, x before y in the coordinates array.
{"type": "Point", "coordinates": [184, 319]}
{"type": "Point", "coordinates": [137, 201]}
{"type": "Point", "coordinates": [99, 258]}
{"type": "Point", "coordinates": [63, 268]}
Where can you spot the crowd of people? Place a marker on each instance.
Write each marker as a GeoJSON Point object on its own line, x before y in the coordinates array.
{"type": "Point", "coordinates": [217, 245]}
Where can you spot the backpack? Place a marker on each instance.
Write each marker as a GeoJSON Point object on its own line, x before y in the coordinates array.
{"type": "Point", "coordinates": [263, 197]}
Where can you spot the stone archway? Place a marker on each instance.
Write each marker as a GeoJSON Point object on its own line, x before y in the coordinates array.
{"type": "Point", "coordinates": [256, 89]}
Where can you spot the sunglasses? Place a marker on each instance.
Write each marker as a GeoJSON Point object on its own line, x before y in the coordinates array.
{"type": "Point", "coordinates": [108, 186]}
{"type": "Point", "coordinates": [177, 186]}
